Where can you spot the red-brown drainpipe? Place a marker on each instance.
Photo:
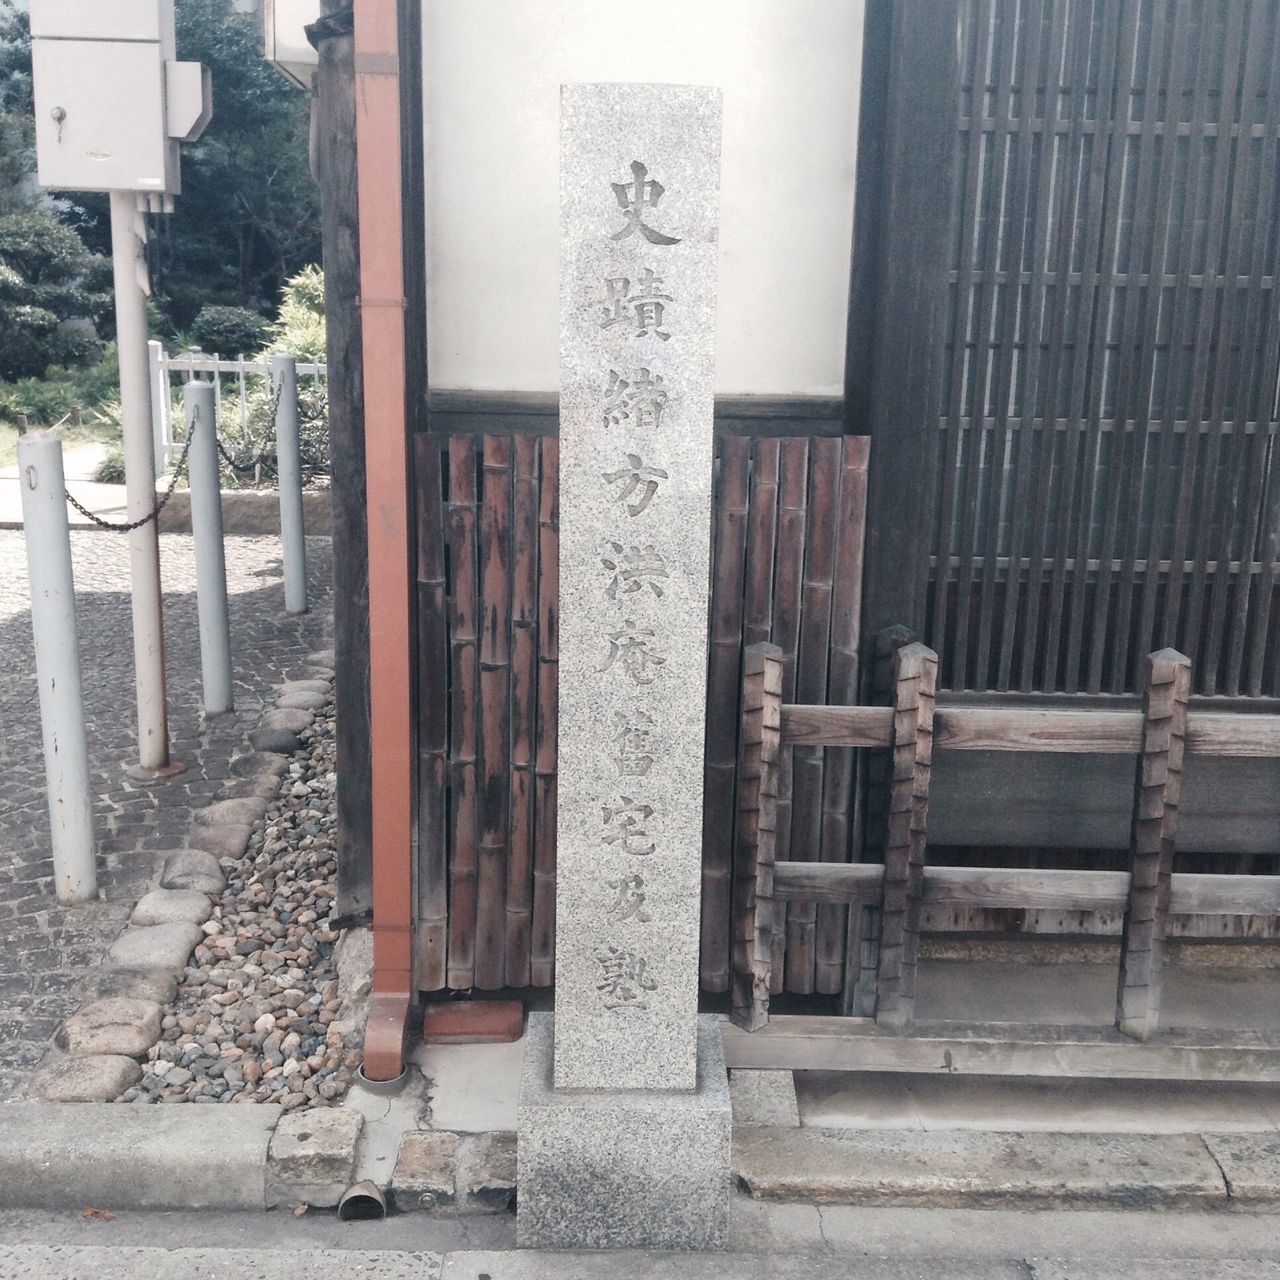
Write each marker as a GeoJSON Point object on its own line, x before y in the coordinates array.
{"type": "Point", "coordinates": [382, 306]}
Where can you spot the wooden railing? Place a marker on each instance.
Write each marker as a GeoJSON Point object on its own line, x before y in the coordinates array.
{"type": "Point", "coordinates": [890, 898]}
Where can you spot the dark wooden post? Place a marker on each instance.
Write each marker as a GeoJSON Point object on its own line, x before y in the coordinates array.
{"type": "Point", "coordinates": [903, 347]}
{"type": "Point", "coordinates": [916, 679]}
{"type": "Point", "coordinates": [1155, 819]}
{"type": "Point", "coordinates": [862, 950]}
{"type": "Point", "coordinates": [335, 114]}
{"type": "Point", "coordinates": [754, 910]}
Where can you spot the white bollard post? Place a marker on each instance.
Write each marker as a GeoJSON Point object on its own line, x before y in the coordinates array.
{"type": "Point", "coordinates": [206, 529]}
{"type": "Point", "coordinates": [284, 385]}
{"type": "Point", "coordinates": [53, 625]}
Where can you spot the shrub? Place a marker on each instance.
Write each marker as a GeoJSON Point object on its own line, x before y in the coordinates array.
{"type": "Point", "coordinates": [111, 469]}
{"type": "Point", "coordinates": [44, 401]}
{"type": "Point", "coordinates": [299, 329]}
{"type": "Point", "coordinates": [229, 331]}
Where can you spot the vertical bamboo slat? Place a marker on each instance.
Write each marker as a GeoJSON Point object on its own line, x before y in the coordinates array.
{"type": "Point", "coordinates": [757, 605]}
{"type": "Point", "coordinates": [725, 647]}
{"type": "Point", "coordinates": [524, 701]}
{"type": "Point", "coordinates": [464, 735]}
{"type": "Point", "coordinates": [762, 528]}
{"type": "Point", "coordinates": [543, 952]}
{"type": "Point", "coordinates": [1155, 821]}
{"type": "Point", "coordinates": [754, 910]}
{"type": "Point", "coordinates": [495, 714]}
{"type": "Point", "coordinates": [431, 938]}
{"type": "Point", "coordinates": [915, 686]}
{"type": "Point", "coordinates": [812, 660]}
{"type": "Point", "coordinates": [788, 576]}
{"type": "Point", "coordinates": [839, 795]}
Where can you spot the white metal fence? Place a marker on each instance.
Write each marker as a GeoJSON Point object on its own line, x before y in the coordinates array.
{"type": "Point", "coordinates": [166, 368]}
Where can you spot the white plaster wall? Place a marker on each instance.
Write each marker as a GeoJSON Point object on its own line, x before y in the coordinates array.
{"type": "Point", "coordinates": [789, 70]}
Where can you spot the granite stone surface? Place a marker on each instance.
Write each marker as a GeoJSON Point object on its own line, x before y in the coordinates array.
{"type": "Point", "coordinates": [639, 224]}
{"type": "Point", "coordinates": [312, 1156]}
{"type": "Point", "coordinates": [628, 1169]}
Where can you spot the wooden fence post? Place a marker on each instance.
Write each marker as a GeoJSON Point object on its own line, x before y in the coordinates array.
{"type": "Point", "coordinates": [1155, 818]}
{"type": "Point", "coordinates": [862, 951]}
{"type": "Point", "coordinates": [916, 679]}
{"type": "Point", "coordinates": [754, 910]}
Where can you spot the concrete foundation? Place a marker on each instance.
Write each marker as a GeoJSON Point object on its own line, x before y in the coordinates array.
{"type": "Point", "coordinates": [624, 1169]}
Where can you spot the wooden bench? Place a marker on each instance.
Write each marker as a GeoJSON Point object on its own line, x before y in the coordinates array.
{"type": "Point", "coordinates": [887, 900]}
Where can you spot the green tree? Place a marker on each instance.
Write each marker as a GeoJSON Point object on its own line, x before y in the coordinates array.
{"type": "Point", "coordinates": [249, 214]}
{"type": "Point", "coordinates": [17, 126]}
{"type": "Point", "coordinates": [46, 278]}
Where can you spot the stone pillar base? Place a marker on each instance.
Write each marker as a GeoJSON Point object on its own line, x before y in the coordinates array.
{"type": "Point", "coordinates": [621, 1170]}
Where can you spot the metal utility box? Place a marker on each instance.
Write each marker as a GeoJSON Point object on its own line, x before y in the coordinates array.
{"type": "Point", "coordinates": [103, 20]}
{"type": "Point", "coordinates": [111, 102]}
{"type": "Point", "coordinates": [284, 38]}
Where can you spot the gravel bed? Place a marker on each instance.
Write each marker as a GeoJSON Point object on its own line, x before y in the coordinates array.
{"type": "Point", "coordinates": [257, 1014]}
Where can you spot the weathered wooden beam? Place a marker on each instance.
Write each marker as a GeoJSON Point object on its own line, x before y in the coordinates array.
{"type": "Point", "coordinates": [916, 677]}
{"type": "Point", "coordinates": [1155, 821]}
{"type": "Point", "coordinates": [1017, 888]}
{"type": "Point", "coordinates": [1041, 729]}
{"type": "Point", "coordinates": [793, 1043]}
{"type": "Point", "coordinates": [754, 910]}
{"type": "Point", "coordinates": [1216, 733]}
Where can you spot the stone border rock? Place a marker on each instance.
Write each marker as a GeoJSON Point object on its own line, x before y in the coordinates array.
{"type": "Point", "coordinates": [103, 1042]}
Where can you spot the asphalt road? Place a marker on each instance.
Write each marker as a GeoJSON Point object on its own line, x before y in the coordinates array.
{"type": "Point", "coordinates": [771, 1242]}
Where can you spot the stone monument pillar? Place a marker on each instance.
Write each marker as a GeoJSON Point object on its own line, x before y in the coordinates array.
{"type": "Point", "coordinates": [624, 1114]}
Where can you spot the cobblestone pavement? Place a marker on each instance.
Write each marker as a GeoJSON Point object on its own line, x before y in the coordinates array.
{"type": "Point", "coordinates": [45, 949]}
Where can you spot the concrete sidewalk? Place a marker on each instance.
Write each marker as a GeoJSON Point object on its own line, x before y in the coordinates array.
{"type": "Point", "coordinates": [79, 462]}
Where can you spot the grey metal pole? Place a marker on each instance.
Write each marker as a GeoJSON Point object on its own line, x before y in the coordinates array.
{"type": "Point", "coordinates": [206, 529]}
{"type": "Point", "coordinates": [127, 241]}
{"type": "Point", "coordinates": [284, 385]}
{"type": "Point", "coordinates": [53, 625]}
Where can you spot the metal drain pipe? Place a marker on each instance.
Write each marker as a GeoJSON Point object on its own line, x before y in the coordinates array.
{"type": "Point", "coordinates": [362, 1201]}
{"type": "Point", "coordinates": [382, 319]}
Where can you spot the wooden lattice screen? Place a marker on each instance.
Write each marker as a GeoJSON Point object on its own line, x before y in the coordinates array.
{"type": "Point", "coordinates": [1106, 479]}
{"type": "Point", "coordinates": [787, 568]}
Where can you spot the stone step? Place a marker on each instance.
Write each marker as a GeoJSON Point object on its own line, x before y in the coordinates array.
{"type": "Point", "coordinates": [977, 1170]}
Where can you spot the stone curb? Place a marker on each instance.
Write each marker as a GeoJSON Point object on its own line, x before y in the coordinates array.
{"type": "Point", "coordinates": [1007, 1170]}
{"type": "Point", "coordinates": [69, 1155]}
{"type": "Point", "coordinates": [73, 1155]}
{"type": "Point", "coordinates": [165, 925]}
{"type": "Point", "coordinates": [252, 512]}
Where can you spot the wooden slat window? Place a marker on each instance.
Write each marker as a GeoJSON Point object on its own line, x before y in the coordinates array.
{"type": "Point", "coordinates": [1106, 479]}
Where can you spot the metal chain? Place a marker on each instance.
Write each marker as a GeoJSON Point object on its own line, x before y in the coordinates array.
{"type": "Point", "coordinates": [239, 466]}
{"type": "Point", "coordinates": [243, 467]}
{"type": "Point", "coordinates": [154, 514]}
